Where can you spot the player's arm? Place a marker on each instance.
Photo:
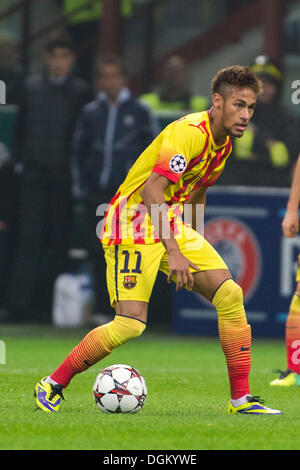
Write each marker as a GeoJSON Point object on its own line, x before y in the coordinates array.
{"type": "Point", "coordinates": [153, 198]}
{"type": "Point", "coordinates": [197, 198]}
{"type": "Point", "coordinates": [290, 223]}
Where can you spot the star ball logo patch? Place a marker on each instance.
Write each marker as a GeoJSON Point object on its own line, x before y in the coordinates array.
{"type": "Point", "coordinates": [129, 282]}
{"type": "Point", "coordinates": [178, 163]}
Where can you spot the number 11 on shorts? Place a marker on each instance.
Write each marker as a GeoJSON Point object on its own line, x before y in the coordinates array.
{"type": "Point", "coordinates": [137, 268]}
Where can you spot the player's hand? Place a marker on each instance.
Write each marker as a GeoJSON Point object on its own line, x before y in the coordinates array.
{"type": "Point", "coordinates": [290, 224]}
{"type": "Point", "coordinates": [179, 267]}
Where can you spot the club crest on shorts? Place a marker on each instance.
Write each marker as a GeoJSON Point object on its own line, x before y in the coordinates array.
{"type": "Point", "coordinates": [129, 282]}
{"type": "Point", "coordinates": [178, 163]}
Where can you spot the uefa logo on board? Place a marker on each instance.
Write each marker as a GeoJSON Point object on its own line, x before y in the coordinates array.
{"type": "Point", "coordinates": [239, 248]}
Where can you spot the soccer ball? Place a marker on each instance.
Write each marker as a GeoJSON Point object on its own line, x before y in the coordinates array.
{"type": "Point", "coordinates": [120, 389]}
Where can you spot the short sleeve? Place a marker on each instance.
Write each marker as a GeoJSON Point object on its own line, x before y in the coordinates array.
{"type": "Point", "coordinates": [180, 143]}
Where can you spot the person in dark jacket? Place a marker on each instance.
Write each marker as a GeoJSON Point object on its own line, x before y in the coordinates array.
{"type": "Point", "coordinates": [110, 134]}
{"type": "Point", "coordinates": [50, 104]}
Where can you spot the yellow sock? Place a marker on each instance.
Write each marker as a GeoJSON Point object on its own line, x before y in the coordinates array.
{"type": "Point", "coordinates": [235, 336]}
{"type": "Point", "coordinates": [96, 345]}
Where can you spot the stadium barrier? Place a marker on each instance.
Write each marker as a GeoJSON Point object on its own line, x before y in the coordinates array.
{"type": "Point", "coordinates": [2, 352]}
{"type": "Point", "coordinates": [2, 92]}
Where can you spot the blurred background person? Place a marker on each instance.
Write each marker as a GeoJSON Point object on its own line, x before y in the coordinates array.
{"type": "Point", "coordinates": [49, 105]}
{"type": "Point", "coordinates": [174, 93]}
{"type": "Point", "coordinates": [110, 134]}
{"type": "Point", "coordinates": [265, 155]}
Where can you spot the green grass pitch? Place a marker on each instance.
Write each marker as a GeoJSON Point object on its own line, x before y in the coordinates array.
{"type": "Point", "coordinates": [187, 397]}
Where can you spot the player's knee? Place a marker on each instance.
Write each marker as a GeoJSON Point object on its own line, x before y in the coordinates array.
{"type": "Point", "coordinates": [235, 297]}
{"type": "Point", "coordinates": [228, 295]}
{"type": "Point", "coordinates": [132, 327]}
{"type": "Point", "coordinates": [123, 329]}
{"type": "Point", "coordinates": [295, 302]}
{"type": "Point", "coordinates": [229, 301]}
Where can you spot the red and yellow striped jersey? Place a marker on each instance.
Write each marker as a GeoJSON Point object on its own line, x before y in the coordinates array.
{"type": "Point", "coordinates": [186, 154]}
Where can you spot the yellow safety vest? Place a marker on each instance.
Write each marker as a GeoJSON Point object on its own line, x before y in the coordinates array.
{"type": "Point", "coordinates": [278, 152]}
{"type": "Point", "coordinates": [197, 103]}
{"type": "Point", "coordinates": [92, 12]}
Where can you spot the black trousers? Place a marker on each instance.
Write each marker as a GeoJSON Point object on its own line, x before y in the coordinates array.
{"type": "Point", "coordinates": [44, 234]}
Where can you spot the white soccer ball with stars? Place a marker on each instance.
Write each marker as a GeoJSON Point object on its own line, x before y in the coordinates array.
{"type": "Point", "coordinates": [178, 164]}
{"type": "Point", "coordinates": [120, 389]}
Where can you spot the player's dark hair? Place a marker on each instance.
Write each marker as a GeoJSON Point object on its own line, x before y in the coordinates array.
{"type": "Point", "coordinates": [59, 40]}
{"type": "Point", "coordinates": [237, 76]}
